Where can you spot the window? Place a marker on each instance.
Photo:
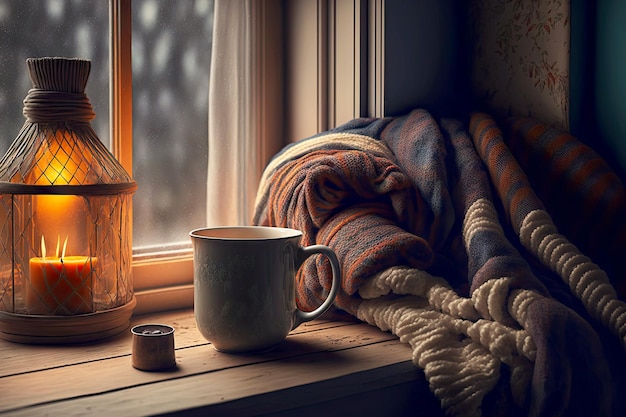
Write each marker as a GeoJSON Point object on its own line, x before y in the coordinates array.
{"type": "Point", "coordinates": [160, 132]}
{"type": "Point", "coordinates": [171, 49]}
{"type": "Point", "coordinates": [168, 47]}
{"type": "Point", "coordinates": [171, 52]}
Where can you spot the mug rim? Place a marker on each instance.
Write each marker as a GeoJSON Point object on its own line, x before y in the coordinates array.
{"type": "Point", "coordinates": [245, 233]}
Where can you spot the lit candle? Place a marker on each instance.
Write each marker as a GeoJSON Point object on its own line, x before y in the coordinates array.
{"type": "Point", "coordinates": [60, 285]}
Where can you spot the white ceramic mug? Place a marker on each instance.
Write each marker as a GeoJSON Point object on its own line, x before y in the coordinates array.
{"type": "Point", "coordinates": [244, 285]}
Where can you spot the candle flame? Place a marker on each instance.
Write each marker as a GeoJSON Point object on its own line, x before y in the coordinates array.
{"type": "Point", "coordinates": [64, 246]}
{"type": "Point", "coordinates": [43, 247]}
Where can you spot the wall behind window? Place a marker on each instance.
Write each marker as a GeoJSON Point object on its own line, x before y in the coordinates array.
{"type": "Point", "coordinates": [520, 58]}
{"type": "Point", "coordinates": [610, 80]}
{"type": "Point", "coordinates": [424, 57]}
{"type": "Point", "coordinates": [598, 86]}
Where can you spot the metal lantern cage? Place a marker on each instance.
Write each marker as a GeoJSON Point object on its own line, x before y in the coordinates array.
{"type": "Point", "coordinates": [65, 248]}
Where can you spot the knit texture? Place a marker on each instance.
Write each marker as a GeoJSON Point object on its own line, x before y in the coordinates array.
{"type": "Point", "coordinates": [444, 241]}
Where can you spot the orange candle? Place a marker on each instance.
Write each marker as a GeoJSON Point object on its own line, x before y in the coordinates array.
{"type": "Point", "coordinates": [60, 285]}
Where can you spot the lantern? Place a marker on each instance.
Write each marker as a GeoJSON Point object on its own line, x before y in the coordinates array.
{"type": "Point", "coordinates": [65, 248]}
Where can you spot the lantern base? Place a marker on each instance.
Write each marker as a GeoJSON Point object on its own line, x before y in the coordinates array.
{"type": "Point", "coordinates": [56, 330]}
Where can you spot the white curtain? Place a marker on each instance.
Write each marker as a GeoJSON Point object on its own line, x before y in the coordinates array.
{"type": "Point", "coordinates": [245, 105]}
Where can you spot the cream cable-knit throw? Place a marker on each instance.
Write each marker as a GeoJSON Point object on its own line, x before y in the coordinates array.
{"type": "Point", "coordinates": [585, 279]}
{"type": "Point", "coordinates": [460, 357]}
{"type": "Point", "coordinates": [459, 342]}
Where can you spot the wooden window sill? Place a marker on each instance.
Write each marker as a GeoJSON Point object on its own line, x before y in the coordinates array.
{"type": "Point", "coordinates": [336, 366]}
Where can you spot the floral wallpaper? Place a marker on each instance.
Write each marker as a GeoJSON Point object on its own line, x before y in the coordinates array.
{"type": "Point", "coordinates": [520, 62]}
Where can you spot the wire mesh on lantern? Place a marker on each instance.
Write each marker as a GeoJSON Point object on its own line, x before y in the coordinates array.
{"type": "Point", "coordinates": [65, 249]}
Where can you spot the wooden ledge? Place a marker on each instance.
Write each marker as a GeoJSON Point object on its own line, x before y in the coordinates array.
{"type": "Point", "coordinates": [323, 366]}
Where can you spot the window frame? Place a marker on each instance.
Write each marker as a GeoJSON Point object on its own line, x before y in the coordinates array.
{"type": "Point", "coordinates": [333, 63]}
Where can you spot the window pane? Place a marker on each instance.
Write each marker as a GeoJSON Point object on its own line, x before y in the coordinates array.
{"type": "Point", "coordinates": [171, 53]}
{"type": "Point", "coordinates": [39, 28]}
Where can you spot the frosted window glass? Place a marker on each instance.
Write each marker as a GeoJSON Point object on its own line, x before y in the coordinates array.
{"type": "Point", "coordinates": [171, 53]}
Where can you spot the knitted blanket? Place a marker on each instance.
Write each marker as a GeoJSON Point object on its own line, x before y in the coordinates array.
{"type": "Point", "coordinates": [492, 250]}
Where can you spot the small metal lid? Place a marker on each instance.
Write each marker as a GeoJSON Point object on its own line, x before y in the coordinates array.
{"type": "Point", "coordinates": [153, 347]}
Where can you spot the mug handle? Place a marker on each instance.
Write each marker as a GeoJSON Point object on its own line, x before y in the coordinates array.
{"type": "Point", "coordinates": [305, 252]}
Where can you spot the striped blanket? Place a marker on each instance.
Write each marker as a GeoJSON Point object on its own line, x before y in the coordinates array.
{"type": "Point", "coordinates": [493, 249]}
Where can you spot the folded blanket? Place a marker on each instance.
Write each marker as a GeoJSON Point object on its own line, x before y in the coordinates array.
{"type": "Point", "coordinates": [585, 197]}
{"type": "Point", "coordinates": [444, 241]}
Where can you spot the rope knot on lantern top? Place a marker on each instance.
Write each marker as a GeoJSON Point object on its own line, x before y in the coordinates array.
{"type": "Point", "coordinates": [45, 106]}
{"type": "Point", "coordinates": [60, 96]}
